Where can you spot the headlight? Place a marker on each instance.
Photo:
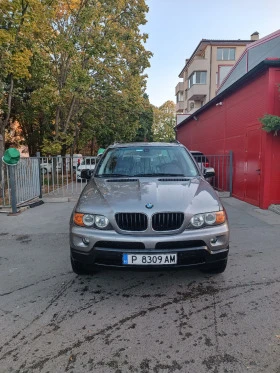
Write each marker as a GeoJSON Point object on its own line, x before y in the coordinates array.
{"type": "Point", "coordinates": [90, 220]}
{"type": "Point", "coordinates": [210, 218]}
{"type": "Point", "coordinates": [207, 219]}
{"type": "Point", "coordinates": [197, 220]}
{"type": "Point", "coordinates": [101, 221]}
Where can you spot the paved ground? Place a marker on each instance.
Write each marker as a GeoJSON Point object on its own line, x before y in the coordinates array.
{"type": "Point", "coordinates": [160, 322]}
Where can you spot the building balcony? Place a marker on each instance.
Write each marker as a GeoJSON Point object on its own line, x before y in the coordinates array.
{"type": "Point", "coordinates": [179, 88]}
{"type": "Point", "coordinates": [201, 64]}
{"type": "Point", "coordinates": [198, 92]}
{"type": "Point", "coordinates": [180, 107]}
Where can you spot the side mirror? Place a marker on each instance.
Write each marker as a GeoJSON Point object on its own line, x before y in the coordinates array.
{"type": "Point", "coordinates": [86, 174]}
{"type": "Point", "coordinates": [209, 172]}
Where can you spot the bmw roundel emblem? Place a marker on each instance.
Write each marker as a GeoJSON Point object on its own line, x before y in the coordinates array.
{"type": "Point", "coordinates": [149, 205]}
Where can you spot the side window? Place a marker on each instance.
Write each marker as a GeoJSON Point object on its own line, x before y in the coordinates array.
{"type": "Point", "coordinates": [222, 73]}
{"type": "Point", "coordinates": [226, 54]}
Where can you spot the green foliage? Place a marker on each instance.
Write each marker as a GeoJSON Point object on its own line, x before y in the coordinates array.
{"type": "Point", "coordinates": [144, 132]}
{"type": "Point", "coordinates": [270, 123]}
{"type": "Point", "coordinates": [55, 147]}
{"type": "Point", "coordinates": [50, 148]}
{"type": "Point", "coordinates": [73, 71]}
{"type": "Point", "coordinates": [164, 122]}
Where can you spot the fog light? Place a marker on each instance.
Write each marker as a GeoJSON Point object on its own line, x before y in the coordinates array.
{"type": "Point", "coordinates": [213, 240]}
{"type": "Point", "coordinates": [85, 241]}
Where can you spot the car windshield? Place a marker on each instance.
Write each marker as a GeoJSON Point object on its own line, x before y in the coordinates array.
{"type": "Point", "coordinates": [146, 161]}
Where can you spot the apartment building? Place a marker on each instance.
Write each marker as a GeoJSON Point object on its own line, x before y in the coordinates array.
{"type": "Point", "coordinates": [204, 72]}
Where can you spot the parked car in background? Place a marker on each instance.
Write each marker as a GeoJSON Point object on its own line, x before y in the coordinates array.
{"type": "Point", "coordinates": [88, 163]}
{"type": "Point", "coordinates": [77, 160]}
{"type": "Point", "coordinates": [48, 163]}
{"type": "Point", "coordinates": [202, 161]}
{"type": "Point", "coordinates": [148, 205]}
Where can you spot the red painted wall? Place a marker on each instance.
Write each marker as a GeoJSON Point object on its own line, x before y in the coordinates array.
{"type": "Point", "coordinates": [271, 185]}
{"type": "Point", "coordinates": [235, 126]}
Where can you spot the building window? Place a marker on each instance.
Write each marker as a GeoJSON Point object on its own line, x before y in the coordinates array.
{"type": "Point", "coordinates": [226, 54]}
{"type": "Point", "coordinates": [179, 97]}
{"type": "Point", "coordinates": [197, 77]}
{"type": "Point", "coordinates": [222, 73]}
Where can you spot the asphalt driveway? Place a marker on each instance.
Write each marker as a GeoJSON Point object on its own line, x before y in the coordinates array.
{"type": "Point", "coordinates": [121, 321]}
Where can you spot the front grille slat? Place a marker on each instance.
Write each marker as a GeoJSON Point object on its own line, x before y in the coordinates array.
{"type": "Point", "coordinates": [132, 221]}
{"type": "Point", "coordinates": [167, 221]}
{"type": "Point", "coordinates": [137, 222]}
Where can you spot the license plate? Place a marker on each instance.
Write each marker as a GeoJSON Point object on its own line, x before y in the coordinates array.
{"type": "Point", "coordinates": [155, 259]}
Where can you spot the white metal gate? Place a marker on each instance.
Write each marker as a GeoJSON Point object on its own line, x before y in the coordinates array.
{"type": "Point", "coordinates": [26, 178]}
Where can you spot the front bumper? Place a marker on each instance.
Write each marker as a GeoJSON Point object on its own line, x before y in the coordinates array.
{"type": "Point", "coordinates": [193, 247]}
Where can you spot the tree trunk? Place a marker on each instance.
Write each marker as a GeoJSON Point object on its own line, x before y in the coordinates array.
{"type": "Point", "coordinates": [10, 94]}
{"type": "Point", "coordinates": [57, 121]}
{"type": "Point", "coordinates": [2, 147]}
{"type": "Point", "coordinates": [69, 114]}
{"type": "Point", "coordinates": [1, 155]}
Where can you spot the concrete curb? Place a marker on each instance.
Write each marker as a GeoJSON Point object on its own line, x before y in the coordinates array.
{"type": "Point", "coordinates": [59, 199]}
{"type": "Point", "coordinates": [55, 199]}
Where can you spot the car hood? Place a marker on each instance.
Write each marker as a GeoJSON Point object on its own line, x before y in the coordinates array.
{"type": "Point", "coordinates": [194, 195]}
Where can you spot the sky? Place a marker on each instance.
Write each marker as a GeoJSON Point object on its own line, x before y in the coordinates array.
{"type": "Point", "coordinates": [175, 28]}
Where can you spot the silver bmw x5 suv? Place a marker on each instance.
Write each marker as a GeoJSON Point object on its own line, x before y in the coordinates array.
{"type": "Point", "coordinates": [147, 205]}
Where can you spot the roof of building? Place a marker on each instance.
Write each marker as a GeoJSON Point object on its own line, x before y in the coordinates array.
{"type": "Point", "coordinates": [204, 42]}
{"type": "Point", "coordinates": [268, 46]}
{"type": "Point", "coordinates": [263, 65]}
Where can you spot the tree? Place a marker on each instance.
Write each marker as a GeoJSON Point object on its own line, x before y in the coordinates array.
{"type": "Point", "coordinates": [21, 22]}
{"type": "Point", "coordinates": [83, 75]}
{"type": "Point", "coordinates": [164, 122]}
{"type": "Point", "coordinates": [98, 53]}
{"type": "Point", "coordinates": [144, 132]}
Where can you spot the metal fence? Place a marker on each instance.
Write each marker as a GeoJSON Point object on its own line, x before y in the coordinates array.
{"type": "Point", "coordinates": [19, 183]}
{"type": "Point", "coordinates": [223, 166]}
{"type": "Point", "coordinates": [5, 195]}
{"type": "Point", "coordinates": [36, 177]}
{"type": "Point", "coordinates": [61, 177]}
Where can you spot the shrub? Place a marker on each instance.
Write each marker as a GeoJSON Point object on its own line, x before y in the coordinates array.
{"type": "Point", "coordinates": [270, 123]}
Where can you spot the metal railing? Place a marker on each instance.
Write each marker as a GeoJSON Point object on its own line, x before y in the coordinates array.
{"type": "Point", "coordinates": [61, 176]}
{"type": "Point", "coordinates": [19, 183]}
{"type": "Point", "coordinates": [5, 195]}
{"type": "Point", "coordinates": [223, 166]}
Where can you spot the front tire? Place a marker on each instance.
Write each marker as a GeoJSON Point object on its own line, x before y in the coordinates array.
{"type": "Point", "coordinates": [81, 268]}
{"type": "Point", "coordinates": [215, 268]}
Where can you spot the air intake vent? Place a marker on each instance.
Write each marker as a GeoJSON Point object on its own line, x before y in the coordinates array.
{"type": "Point", "coordinates": [132, 221]}
{"type": "Point", "coordinates": [120, 180]}
{"type": "Point", "coordinates": [167, 221]}
{"type": "Point", "coordinates": [173, 179]}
